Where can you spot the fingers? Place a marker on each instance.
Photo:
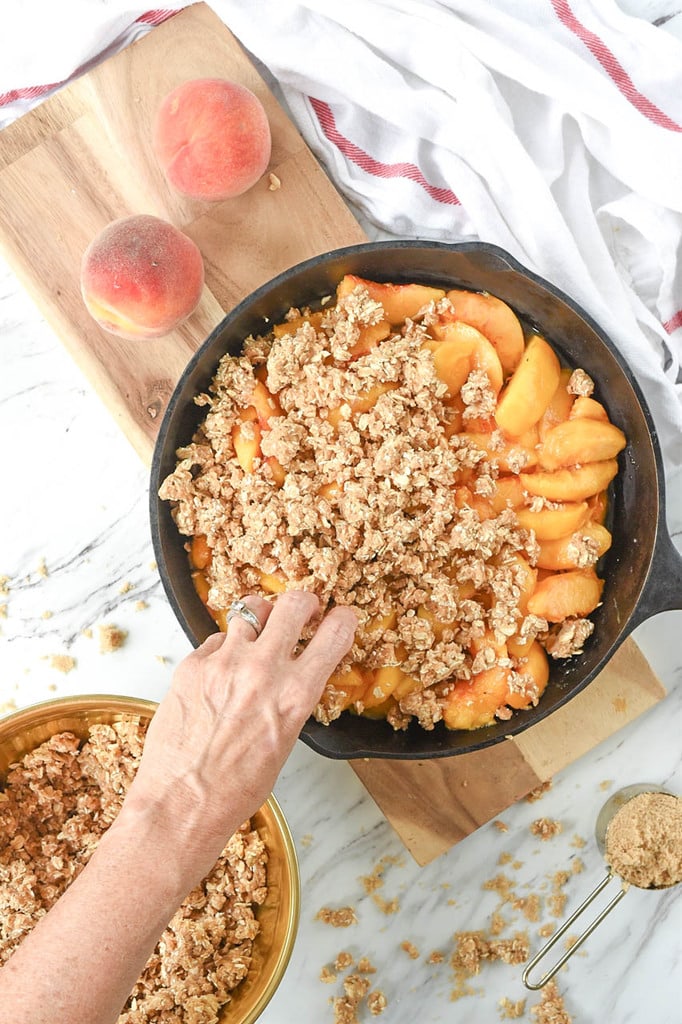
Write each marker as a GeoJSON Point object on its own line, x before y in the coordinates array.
{"type": "Point", "coordinates": [291, 611]}
{"type": "Point", "coordinates": [332, 641]}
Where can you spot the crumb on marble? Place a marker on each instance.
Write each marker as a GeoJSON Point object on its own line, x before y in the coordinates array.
{"type": "Point", "coordinates": [365, 966]}
{"type": "Point", "coordinates": [4, 585]}
{"type": "Point", "coordinates": [111, 638]}
{"type": "Point", "coordinates": [376, 1002]}
{"type": "Point", "coordinates": [327, 977]}
{"type": "Point", "coordinates": [153, 566]}
{"type": "Point", "coordinates": [8, 706]}
{"type": "Point", "coordinates": [606, 784]}
{"type": "Point", "coordinates": [342, 917]}
{"type": "Point", "coordinates": [3, 610]}
{"type": "Point", "coordinates": [538, 792]}
{"type": "Point", "coordinates": [501, 826]}
{"type": "Point", "coordinates": [87, 633]}
{"type": "Point", "coordinates": [140, 606]}
{"type": "Point", "coordinates": [42, 569]}
{"type": "Point", "coordinates": [62, 662]}
{"type": "Point", "coordinates": [435, 957]}
{"type": "Point", "coordinates": [343, 961]}
{"type": "Point", "coordinates": [510, 1010]}
{"type": "Point", "coordinates": [307, 839]}
{"type": "Point", "coordinates": [545, 828]}
{"type": "Point", "coordinates": [410, 949]}
{"type": "Point", "coordinates": [551, 1008]}
{"type": "Point", "coordinates": [126, 587]}
{"type": "Point", "coordinates": [578, 842]}
{"type": "Point", "coordinates": [47, 614]}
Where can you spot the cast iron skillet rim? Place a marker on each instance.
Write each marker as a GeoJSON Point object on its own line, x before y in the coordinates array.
{"type": "Point", "coordinates": [519, 723]}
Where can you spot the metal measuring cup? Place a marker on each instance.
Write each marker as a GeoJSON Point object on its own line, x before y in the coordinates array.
{"type": "Point", "coordinates": [608, 811]}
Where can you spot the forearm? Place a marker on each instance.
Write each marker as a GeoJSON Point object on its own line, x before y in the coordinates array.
{"type": "Point", "coordinates": [83, 958]}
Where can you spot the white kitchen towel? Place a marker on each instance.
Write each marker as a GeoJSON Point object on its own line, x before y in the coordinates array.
{"type": "Point", "coordinates": [552, 128]}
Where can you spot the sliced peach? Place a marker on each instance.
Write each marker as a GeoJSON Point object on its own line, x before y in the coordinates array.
{"type": "Point", "coordinates": [400, 301]}
{"type": "Point", "coordinates": [465, 497]}
{"type": "Point", "coordinates": [530, 388]}
{"type": "Point", "coordinates": [331, 490]}
{"type": "Point", "coordinates": [599, 506]}
{"type": "Point", "coordinates": [509, 493]}
{"type": "Point", "coordinates": [552, 523]}
{"type": "Point", "coordinates": [407, 685]}
{"type": "Point", "coordinates": [564, 552]}
{"type": "Point", "coordinates": [581, 440]}
{"type": "Point", "coordinates": [246, 435]}
{"type": "Point", "coordinates": [564, 595]}
{"type": "Point", "coordinates": [201, 586]}
{"type": "Point", "coordinates": [466, 348]}
{"type": "Point", "coordinates": [201, 554]}
{"type": "Point", "coordinates": [525, 578]}
{"type": "Point", "coordinates": [496, 320]}
{"type": "Point", "coordinates": [362, 402]}
{"type": "Point", "coordinates": [380, 623]}
{"type": "Point", "coordinates": [437, 624]}
{"type": "Point", "coordinates": [574, 484]}
{"type": "Point", "coordinates": [588, 408]}
{"type": "Point", "coordinates": [349, 685]}
{"type": "Point", "coordinates": [370, 336]}
{"type": "Point", "coordinates": [265, 404]}
{"type": "Point", "coordinates": [472, 703]}
{"type": "Point", "coordinates": [381, 685]}
{"type": "Point", "coordinates": [273, 582]}
{"type": "Point", "coordinates": [536, 665]}
{"type": "Point", "coordinates": [291, 326]}
{"type": "Point", "coordinates": [276, 469]}
{"type": "Point", "coordinates": [560, 405]}
{"type": "Point", "coordinates": [507, 454]}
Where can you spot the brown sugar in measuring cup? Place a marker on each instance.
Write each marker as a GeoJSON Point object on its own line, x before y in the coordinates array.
{"type": "Point", "coordinates": [639, 833]}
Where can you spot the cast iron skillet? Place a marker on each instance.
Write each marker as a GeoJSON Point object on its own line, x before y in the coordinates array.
{"type": "Point", "coordinates": [643, 570]}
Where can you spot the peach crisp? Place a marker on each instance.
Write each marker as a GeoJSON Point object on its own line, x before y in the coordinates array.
{"type": "Point", "coordinates": [420, 456]}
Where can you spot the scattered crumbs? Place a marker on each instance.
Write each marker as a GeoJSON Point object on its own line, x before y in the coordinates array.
{"type": "Point", "coordinates": [307, 839]}
{"type": "Point", "coordinates": [343, 961]}
{"type": "Point", "coordinates": [577, 866]}
{"type": "Point", "coordinates": [273, 182]}
{"type": "Point", "coordinates": [62, 662]}
{"type": "Point", "coordinates": [606, 784]}
{"type": "Point", "coordinates": [374, 881]}
{"type": "Point", "coordinates": [140, 606]}
{"type": "Point", "coordinates": [87, 632]}
{"type": "Point", "coordinates": [446, 885]}
{"type": "Point", "coordinates": [126, 587]}
{"type": "Point", "coordinates": [504, 858]}
{"type": "Point", "coordinates": [436, 957]}
{"type": "Point", "coordinates": [517, 865]}
{"type": "Point", "coordinates": [341, 918]}
{"type": "Point", "coordinates": [501, 826]}
{"type": "Point", "coordinates": [3, 610]}
{"type": "Point", "coordinates": [539, 791]}
{"type": "Point", "coordinates": [545, 828]}
{"type": "Point", "coordinates": [570, 941]}
{"type": "Point", "coordinates": [550, 1009]}
{"type": "Point", "coordinates": [510, 1010]}
{"type": "Point", "coordinates": [47, 614]}
{"type": "Point", "coordinates": [52, 687]}
{"type": "Point", "coordinates": [502, 885]}
{"type": "Point", "coordinates": [355, 987]}
{"type": "Point", "coordinates": [327, 977]}
{"type": "Point", "coordinates": [410, 949]}
{"type": "Point", "coordinates": [620, 705]}
{"type": "Point", "coordinates": [344, 1011]}
{"type": "Point", "coordinates": [497, 923]}
{"type": "Point", "coordinates": [7, 706]}
{"type": "Point", "coordinates": [578, 842]}
{"type": "Point", "coordinates": [153, 566]}
{"type": "Point", "coordinates": [376, 1002]}
{"type": "Point", "coordinates": [530, 907]}
{"type": "Point", "coordinates": [546, 931]}
{"type": "Point", "coordinates": [111, 638]}
{"type": "Point", "coordinates": [4, 585]}
{"type": "Point", "coordinates": [452, 903]}
{"type": "Point", "coordinates": [161, 658]}
{"type": "Point", "coordinates": [472, 948]}
{"type": "Point", "coordinates": [42, 568]}
{"type": "Point", "coordinates": [386, 906]}
{"type": "Point", "coordinates": [365, 966]}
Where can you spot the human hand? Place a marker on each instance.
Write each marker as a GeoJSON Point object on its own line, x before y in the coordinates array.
{"type": "Point", "coordinates": [233, 712]}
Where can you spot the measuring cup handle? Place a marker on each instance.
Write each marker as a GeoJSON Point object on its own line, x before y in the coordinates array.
{"type": "Point", "coordinates": [564, 928]}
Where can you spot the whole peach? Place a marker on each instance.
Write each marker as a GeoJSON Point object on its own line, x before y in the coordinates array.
{"type": "Point", "coordinates": [212, 138]}
{"type": "Point", "coordinates": [141, 277]}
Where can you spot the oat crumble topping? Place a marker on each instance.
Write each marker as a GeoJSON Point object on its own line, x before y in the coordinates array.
{"type": "Point", "coordinates": [341, 918]}
{"type": "Point", "coordinates": [580, 383]}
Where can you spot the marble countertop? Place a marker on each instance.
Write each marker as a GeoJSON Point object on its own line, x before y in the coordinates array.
{"type": "Point", "coordinates": [75, 547]}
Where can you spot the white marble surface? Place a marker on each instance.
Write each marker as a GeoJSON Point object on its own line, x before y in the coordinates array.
{"type": "Point", "coordinates": [75, 534]}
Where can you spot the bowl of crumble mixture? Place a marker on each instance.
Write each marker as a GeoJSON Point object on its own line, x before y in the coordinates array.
{"type": "Point", "coordinates": [65, 766]}
{"type": "Point", "coordinates": [490, 501]}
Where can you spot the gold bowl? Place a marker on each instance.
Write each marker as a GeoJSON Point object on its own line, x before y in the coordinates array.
{"type": "Point", "coordinates": [278, 917]}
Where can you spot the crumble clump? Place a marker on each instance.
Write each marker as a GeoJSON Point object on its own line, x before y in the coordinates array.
{"type": "Point", "coordinates": [54, 807]}
{"type": "Point", "coordinates": [580, 383]}
{"type": "Point", "coordinates": [343, 917]}
{"type": "Point", "coordinates": [545, 828]}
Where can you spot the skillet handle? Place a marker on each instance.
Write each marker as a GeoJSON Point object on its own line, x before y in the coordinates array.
{"type": "Point", "coordinates": [663, 588]}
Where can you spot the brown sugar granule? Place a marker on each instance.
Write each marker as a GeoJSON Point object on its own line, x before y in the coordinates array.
{"type": "Point", "coordinates": [387, 907]}
{"type": "Point", "coordinates": [126, 587]}
{"type": "Point", "coordinates": [326, 976]}
{"type": "Point", "coordinates": [56, 804]}
{"type": "Point", "coordinates": [578, 842]}
{"type": "Point", "coordinates": [510, 1010]}
{"type": "Point", "coordinates": [376, 1002]}
{"type": "Point", "coordinates": [550, 1009]}
{"type": "Point", "coordinates": [62, 662]}
{"type": "Point", "coordinates": [140, 606]}
{"type": "Point", "coordinates": [501, 826]}
{"type": "Point", "coordinates": [341, 918]}
{"type": "Point", "coordinates": [111, 638]}
{"type": "Point", "coordinates": [343, 961]}
{"type": "Point", "coordinates": [504, 858]}
{"type": "Point", "coordinates": [410, 949]}
{"type": "Point", "coordinates": [545, 828]}
{"type": "Point", "coordinates": [42, 569]}
{"type": "Point", "coordinates": [644, 841]}
{"type": "Point", "coordinates": [436, 957]}
{"type": "Point", "coordinates": [365, 966]}
{"type": "Point", "coordinates": [538, 792]}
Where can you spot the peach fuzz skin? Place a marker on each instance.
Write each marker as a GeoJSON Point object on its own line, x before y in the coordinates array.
{"type": "Point", "coordinates": [212, 139]}
{"type": "Point", "coordinates": [141, 277]}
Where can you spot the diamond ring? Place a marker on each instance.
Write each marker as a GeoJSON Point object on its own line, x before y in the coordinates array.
{"type": "Point", "coordinates": [240, 610]}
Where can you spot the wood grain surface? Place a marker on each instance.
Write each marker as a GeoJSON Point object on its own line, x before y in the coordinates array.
{"type": "Point", "coordinates": [84, 158]}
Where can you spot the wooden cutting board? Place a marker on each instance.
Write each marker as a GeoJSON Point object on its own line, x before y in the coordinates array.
{"type": "Point", "coordinates": [83, 158]}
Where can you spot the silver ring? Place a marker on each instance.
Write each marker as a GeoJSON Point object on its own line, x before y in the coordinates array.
{"type": "Point", "coordinates": [240, 610]}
